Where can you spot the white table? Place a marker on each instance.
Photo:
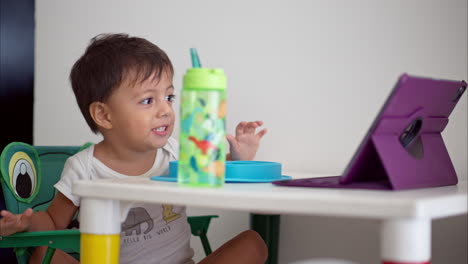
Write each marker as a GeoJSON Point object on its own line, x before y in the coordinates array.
{"type": "Point", "coordinates": [406, 215]}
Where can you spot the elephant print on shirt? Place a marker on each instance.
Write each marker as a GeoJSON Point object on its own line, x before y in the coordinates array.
{"type": "Point", "coordinates": [135, 218]}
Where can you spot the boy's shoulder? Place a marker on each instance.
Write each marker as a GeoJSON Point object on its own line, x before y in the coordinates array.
{"type": "Point", "coordinates": [85, 152]}
{"type": "Point", "coordinates": [82, 157]}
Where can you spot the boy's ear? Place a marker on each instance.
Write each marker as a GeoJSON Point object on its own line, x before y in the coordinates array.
{"type": "Point", "coordinates": [100, 114]}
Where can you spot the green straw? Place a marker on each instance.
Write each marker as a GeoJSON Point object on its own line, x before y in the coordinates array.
{"type": "Point", "coordinates": [195, 59]}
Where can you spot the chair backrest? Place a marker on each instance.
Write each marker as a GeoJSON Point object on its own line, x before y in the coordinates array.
{"type": "Point", "coordinates": [28, 172]}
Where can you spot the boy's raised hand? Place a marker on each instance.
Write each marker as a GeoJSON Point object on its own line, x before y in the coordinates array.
{"type": "Point", "coordinates": [14, 223]}
{"type": "Point", "coordinates": [245, 144]}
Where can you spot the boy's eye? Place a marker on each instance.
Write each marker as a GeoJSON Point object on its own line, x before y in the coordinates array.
{"type": "Point", "coordinates": [171, 98]}
{"type": "Point", "coordinates": [147, 101]}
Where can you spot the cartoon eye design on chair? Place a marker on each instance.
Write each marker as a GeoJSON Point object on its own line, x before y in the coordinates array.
{"type": "Point", "coordinates": [20, 169]}
{"type": "Point", "coordinates": [23, 175]}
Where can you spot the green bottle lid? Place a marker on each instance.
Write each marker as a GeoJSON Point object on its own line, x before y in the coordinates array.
{"type": "Point", "coordinates": [204, 79]}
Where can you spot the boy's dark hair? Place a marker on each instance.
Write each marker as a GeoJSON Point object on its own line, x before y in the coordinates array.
{"type": "Point", "coordinates": [109, 60]}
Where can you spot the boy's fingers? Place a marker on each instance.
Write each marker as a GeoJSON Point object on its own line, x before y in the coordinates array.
{"type": "Point", "coordinates": [262, 133]}
{"type": "Point", "coordinates": [6, 214]}
{"type": "Point", "coordinates": [250, 128]}
{"type": "Point", "coordinates": [28, 212]}
{"type": "Point", "coordinates": [232, 141]}
{"type": "Point", "coordinates": [240, 128]}
{"type": "Point", "coordinates": [27, 215]}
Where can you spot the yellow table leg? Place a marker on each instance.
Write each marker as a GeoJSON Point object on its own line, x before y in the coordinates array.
{"type": "Point", "coordinates": [99, 249]}
{"type": "Point", "coordinates": [100, 231]}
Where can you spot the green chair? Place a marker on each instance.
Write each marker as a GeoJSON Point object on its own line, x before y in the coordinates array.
{"type": "Point", "coordinates": [28, 174]}
{"type": "Point", "coordinates": [199, 226]}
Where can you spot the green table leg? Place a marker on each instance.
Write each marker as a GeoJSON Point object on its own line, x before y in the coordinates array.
{"type": "Point", "coordinates": [268, 228]}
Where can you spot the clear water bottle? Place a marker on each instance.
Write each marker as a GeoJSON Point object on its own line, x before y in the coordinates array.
{"type": "Point", "coordinates": [202, 154]}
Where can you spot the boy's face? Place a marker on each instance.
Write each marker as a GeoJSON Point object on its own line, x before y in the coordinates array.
{"type": "Point", "coordinates": [141, 114]}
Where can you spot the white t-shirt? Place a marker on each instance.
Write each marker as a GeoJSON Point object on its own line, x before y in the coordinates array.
{"type": "Point", "coordinates": [152, 233]}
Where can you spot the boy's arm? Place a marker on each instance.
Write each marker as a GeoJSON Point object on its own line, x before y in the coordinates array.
{"type": "Point", "coordinates": [245, 144]}
{"type": "Point", "coordinates": [58, 215]}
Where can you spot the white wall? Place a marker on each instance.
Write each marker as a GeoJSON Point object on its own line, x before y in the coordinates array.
{"type": "Point", "coordinates": [316, 72]}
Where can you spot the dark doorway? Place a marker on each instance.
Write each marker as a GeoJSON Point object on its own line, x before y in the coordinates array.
{"type": "Point", "coordinates": [17, 27]}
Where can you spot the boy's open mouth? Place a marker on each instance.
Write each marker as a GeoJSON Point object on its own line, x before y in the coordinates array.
{"type": "Point", "coordinates": [161, 131]}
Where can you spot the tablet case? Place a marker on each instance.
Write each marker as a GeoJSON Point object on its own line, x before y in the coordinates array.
{"type": "Point", "coordinates": [404, 148]}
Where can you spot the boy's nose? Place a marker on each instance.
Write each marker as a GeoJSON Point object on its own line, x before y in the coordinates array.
{"type": "Point", "coordinates": [163, 110]}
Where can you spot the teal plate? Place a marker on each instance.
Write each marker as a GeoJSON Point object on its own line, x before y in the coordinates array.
{"type": "Point", "coordinates": [238, 171]}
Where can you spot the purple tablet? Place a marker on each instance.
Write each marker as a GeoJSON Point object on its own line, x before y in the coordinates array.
{"type": "Point", "coordinates": [404, 148]}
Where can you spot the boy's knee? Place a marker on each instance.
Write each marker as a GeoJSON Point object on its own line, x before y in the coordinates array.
{"type": "Point", "coordinates": [256, 244]}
